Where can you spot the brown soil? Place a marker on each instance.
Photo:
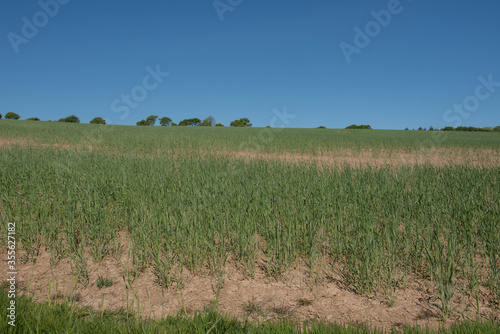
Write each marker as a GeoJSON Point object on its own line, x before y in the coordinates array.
{"type": "Point", "coordinates": [261, 298]}
{"type": "Point", "coordinates": [436, 156]}
{"type": "Point", "coordinates": [8, 142]}
{"type": "Point", "coordinates": [379, 158]}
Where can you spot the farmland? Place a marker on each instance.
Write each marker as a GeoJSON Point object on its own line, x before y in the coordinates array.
{"type": "Point", "coordinates": [389, 228]}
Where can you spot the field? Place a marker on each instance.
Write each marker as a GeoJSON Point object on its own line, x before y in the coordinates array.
{"type": "Point", "coordinates": [378, 228]}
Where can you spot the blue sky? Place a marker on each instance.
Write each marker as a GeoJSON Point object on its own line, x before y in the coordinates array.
{"type": "Point", "coordinates": [86, 57]}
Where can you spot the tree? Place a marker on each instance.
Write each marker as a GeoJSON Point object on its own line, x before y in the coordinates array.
{"type": "Point", "coordinates": [496, 128]}
{"type": "Point", "coordinates": [151, 120]}
{"type": "Point", "coordinates": [98, 120]}
{"type": "Point", "coordinates": [209, 121]}
{"type": "Point", "coordinates": [219, 125]}
{"type": "Point", "coordinates": [70, 119]}
{"type": "Point", "coordinates": [0, 116]}
{"type": "Point", "coordinates": [142, 123]}
{"type": "Point", "coordinates": [173, 124]}
{"type": "Point", "coordinates": [165, 121]}
{"type": "Point", "coordinates": [33, 119]}
{"type": "Point", "coordinates": [190, 122]}
{"type": "Point", "coordinates": [11, 115]}
{"type": "Point", "coordinates": [321, 127]}
{"type": "Point", "coordinates": [242, 122]}
{"type": "Point", "coordinates": [359, 127]}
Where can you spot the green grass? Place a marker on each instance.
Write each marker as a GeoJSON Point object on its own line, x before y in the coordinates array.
{"type": "Point", "coordinates": [374, 227]}
{"type": "Point", "coordinates": [103, 282]}
{"type": "Point", "coordinates": [65, 318]}
{"type": "Point", "coordinates": [175, 139]}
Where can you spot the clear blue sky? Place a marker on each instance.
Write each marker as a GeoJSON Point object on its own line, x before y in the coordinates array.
{"type": "Point", "coordinates": [264, 55]}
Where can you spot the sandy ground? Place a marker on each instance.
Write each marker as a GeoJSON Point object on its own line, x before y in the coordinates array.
{"type": "Point", "coordinates": [260, 298]}
{"type": "Point", "coordinates": [438, 157]}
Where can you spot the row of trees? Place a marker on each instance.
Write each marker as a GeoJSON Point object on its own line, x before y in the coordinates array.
{"type": "Point", "coordinates": [209, 121]}
{"type": "Point", "coordinates": [69, 119]}
{"type": "Point", "coordinates": [75, 119]}
{"type": "Point", "coordinates": [462, 128]}
{"type": "Point", "coordinates": [242, 122]}
{"type": "Point", "coordinates": [472, 128]}
{"type": "Point", "coordinates": [350, 127]}
{"type": "Point", "coordinates": [12, 115]}
{"type": "Point", "coordinates": [149, 121]}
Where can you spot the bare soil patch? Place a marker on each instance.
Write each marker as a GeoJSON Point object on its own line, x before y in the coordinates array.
{"type": "Point", "coordinates": [7, 142]}
{"type": "Point", "coordinates": [261, 298]}
{"type": "Point", "coordinates": [435, 156]}
{"type": "Point", "coordinates": [438, 157]}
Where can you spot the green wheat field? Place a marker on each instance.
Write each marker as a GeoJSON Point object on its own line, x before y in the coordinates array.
{"type": "Point", "coordinates": [175, 203]}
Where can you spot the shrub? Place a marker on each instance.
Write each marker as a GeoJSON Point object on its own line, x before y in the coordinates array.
{"type": "Point", "coordinates": [219, 124]}
{"type": "Point", "coordinates": [242, 123]}
{"type": "Point", "coordinates": [70, 119]}
{"type": "Point", "coordinates": [190, 122]}
{"type": "Point", "coordinates": [11, 115]}
{"type": "Point", "coordinates": [321, 127]}
{"type": "Point", "coordinates": [33, 119]}
{"type": "Point", "coordinates": [98, 120]}
{"type": "Point", "coordinates": [142, 123]}
{"type": "Point", "coordinates": [359, 127]}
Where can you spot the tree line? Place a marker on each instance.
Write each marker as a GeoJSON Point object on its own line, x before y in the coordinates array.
{"type": "Point", "coordinates": [242, 122]}
{"type": "Point", "coordinates": [209, 121]}
{"type": "Point", "coordinates": [461, 128]}
{"type": "Point", "coordinates": [149, 121]}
